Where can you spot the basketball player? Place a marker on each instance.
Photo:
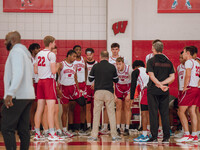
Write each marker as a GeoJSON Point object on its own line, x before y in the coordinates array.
{"type": "Point", "coordinates": [34, 49]}
{"type": "Point", "coordinates": [23, 3]}
{"type": "Point", "coordinates": [45, 66]}
{"type": "Point", "coordinates": [181, 77]}
{"type": "Point", "coordinates": [90, 87]}
{"type": "Point", "coordinates": [122, 89]}
{"type": "Point", "coordinates": [175, 3]}
{"type": "Point", "coordinates": [68, 86]}
{"type": "Point", "coordinates": [190, 95]}
{"type": "Point", "coordinates": [139, 77]}
{"type": "Point", "coordinates": [81, 68]}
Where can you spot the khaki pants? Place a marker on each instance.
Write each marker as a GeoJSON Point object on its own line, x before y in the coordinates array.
{"type": "Point", "coordinates": [100, 97]}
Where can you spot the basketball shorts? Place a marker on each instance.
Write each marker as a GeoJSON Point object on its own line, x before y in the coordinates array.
{"type": "Point", "coordinates": [90, 94]}
{"type": "Point", "coordinates": [144, 97]}
{"type": "Point", "coordinates": [83, 88]}
{"type": "Point", "coordinates": [122, 90]}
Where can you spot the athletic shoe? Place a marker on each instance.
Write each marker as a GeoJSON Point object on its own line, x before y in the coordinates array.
{"type": "Point", "coordinates": [91, 138]}
{"type": "Point", "coordinates": [185, 138]}
{"type": "Point", "coordinates": [67, 134]}
{"type": "Point", "coordinates": [174, 4]}
{"type": "Point", "coordinates": [171, 133]}
{"type": "Point", "coordinates": [38, 137]}
{"type": "Point", "coordinates": [54, 137]}
{"type": "Point", "coordinates": [118, 131]}
{"type": "Point", "coordinates": [160, 134]}
{"type": "Point", "coordinates": [32, 133]}
{"type": "Point", "coordinates": [188, 5]}
{"type": "Point", "coordinates": [195, 138]}
{"type": "Point", "coordinates": [88, 131]}
{"type": "Point", "coordinates": [104, 131]}
{"type": "Point", "coordinates": [138, 138]}
{"type": "Point", "coordinates": [60, 135]}
{"type": "Point", "coordinates": [144, 139]}
{"type": "Point", "coordinates": [45, 135]}
{"type": "Point", "coordinates": [179, 135]}
{"type": "Point", "coordinates": [116, 138]}
{"type": "Point", "coordinates": [152, 140]}
{"type": "Point", "coordinates": [73, 133]}
{"type": "Point", "coordinates": [165, 141]}
{"type": "Point", "coordinates": [126, 132]}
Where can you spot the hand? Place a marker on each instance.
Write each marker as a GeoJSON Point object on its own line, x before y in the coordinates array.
{"type": "Point", "coordinates": [185, 89]}
{"type": "Point", "coordinates": [159, 85]}
{"type": "Point", "coordinates": [8, 101]}
{"type": "Point", "coordinates": [59, 94]}
{"type": "Point", "coordinates": [164, 88]}
{"type": "Point", "coordinates": [92, 86]}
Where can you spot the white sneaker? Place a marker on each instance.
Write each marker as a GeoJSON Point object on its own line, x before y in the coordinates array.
{"type": "Point", "coordinates": [179, 135]}
{"type": "Point", "coordinates": [104, 131]}
{"type": "Point", "coordinates": [188, 5]}
{"type": "Point", "coordinates": [160, 134]}
{"type": "Point", "coordinates": [185, 138]}
{"type": "Point", "coordinates": [54, 137]}
{"type": "Point", "coordinates": [67, 134]}
{"type": "Point", "coordinates": [38, 137]}
{"type": "Point", "coordinates": [174, 4]}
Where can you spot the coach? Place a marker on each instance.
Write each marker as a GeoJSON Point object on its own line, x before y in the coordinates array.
{"type": "Point", "coordinates": [18, 93]}
{"type": "Point", "coordinates": [161, 74]}
{"type": "Point", "coordinates": [104, 75]}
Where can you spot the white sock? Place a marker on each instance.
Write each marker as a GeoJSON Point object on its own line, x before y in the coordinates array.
{"type": "Point", "coordinates": [148, 127]}
{"type": "Point", "coordinates": [37, 130]}
{"type": "Point", "coordinates": [88, 125]}
{"type": "Point", "coordinates": [194, 133]}
{"type": "Point", "coordinates": [118, 126]}
{"type": "Point", "coordinates": [187, 1]}
{"type": "Point", "coordinates": [187, 133]}
{"type": "Point", "coordinates": [65, 129]}
{"type": "Point", "coordinates": [59, 131]}
{"type": "Point", "coordinates": [52, 131]}
{"type": "Point", "coordinates": [160, 128]}
{"type": "Point", "coordinates": [46, 131]}
{"type": "Point", "coordinates": [127, 126]}
{"type": "Point", "coordinates": [144, 133]}
{"type": "Point", "coordinates": [123, 126]}
{"type": "Point", "coordinates": [198, 132]}
{"type": "Point", "coordinates": [105, 126]}
{"type": "Point", "coordinates": [182, 130]}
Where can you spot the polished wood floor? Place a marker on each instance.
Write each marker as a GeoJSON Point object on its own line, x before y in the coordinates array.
{"type": "Point", "coordinates": [104, 143]}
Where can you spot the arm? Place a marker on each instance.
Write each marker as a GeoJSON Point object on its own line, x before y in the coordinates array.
{"type": "Point", "coordinates": [92, 74]}
{"type": "Point", "coordinates": [53, 66]}
{"type": "Point", "coordinates": [86, 70]}
{"type": "Point", "coordinates": [169, 80]}
{"type": "Point", "coordinates": [134, 77]}
{"type": "Point", "coordinates": [115, 76]}
{"type": "Point", "coordinates": [35, 68]}
{"type": "Point", "coordinates": [76, 81]}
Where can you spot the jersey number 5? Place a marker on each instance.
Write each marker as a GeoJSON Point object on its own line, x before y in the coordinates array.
{"type": "Point", "coordinates": [41, 61]}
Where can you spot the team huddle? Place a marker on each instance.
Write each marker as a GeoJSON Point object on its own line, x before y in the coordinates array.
{"type": "Point", "coordinates": [67, 83]}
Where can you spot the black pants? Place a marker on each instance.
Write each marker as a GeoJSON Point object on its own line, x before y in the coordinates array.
{"type": "Point", "coordinates": [161, 103]}
{"type": "Point", "coordinates": [17, 118]}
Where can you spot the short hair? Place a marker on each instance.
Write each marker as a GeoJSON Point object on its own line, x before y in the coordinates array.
{"type": "Point", "coordinates": [113, 45]}
{"type": "Point", "coordinates": [76, 47]}
{"type": "Point", "coordinates": [181, 53]}
{"type": "Point", "coordinates": [138, 63]}
{"type": "Point", "coordinates": [33, 46]}
{"type": "Point", "coordinates": [104, 54]}
{"type": "Point", "coordinates": [90, 50]}
{"type": "Point", "coordinates": [48, 39]}
{"type": "Point", "coordinates": [156, 40]}
{"type": "Point", "coordinates": [195, 49]}
{"type": "Point", "coordinates": [120, 59]}
{"type": "Point", "coordinates": [158, 46]}
{"type": "Point", "coordinates": [70, 52]}
{"type": "Point", "coordinates": [189, 49]}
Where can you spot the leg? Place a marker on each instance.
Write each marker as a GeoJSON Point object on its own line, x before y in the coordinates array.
{"type": "Point", "coordinates": [65, 115]}
{"type": "Point", "coordinates": [50, 114]}
{"type": "Point", "coordinates": [72, 105]}
{"type": "Point", "coordinates": [83, 116]}
{"type": "Point", "coordinates": [127, 108]}
{"type": "Point", "coordinates": [123, 117]}
{"type": "Point", "coordinates": [45, 118]}
{"type": "Point", "coordinates": [192, 112]}
{"type": "Point", "coordinates": [39, 112]}
{"type": "Point", "coordinates": [88, 114]}
{"type": "Point", "coordinates": [56, 120]}
{"type": "Point", "coordinates": [118, 111]}
{"type": "Point", "coordinates": [183, 118]}
{"type": "Point", "coordinates": [32, 114]}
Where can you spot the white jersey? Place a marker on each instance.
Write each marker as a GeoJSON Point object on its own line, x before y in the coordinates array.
{"type": "Point", "coordinates": [143, 78]}
{"type": "Point", "coordinates": [35, 76]}
{"type": "Point", "coordinates": [181, 76]}
{"type": "Point", "coordinates": [112, 60]}
{"type": "Point", "coordinates": [89, 67]}
{"type": "Point", "coordinates": [80, 68]}
{"type": "Point", "coordinates": [194, 65]}
{"type": "Point", "coordinates": [149, 56]}
{"type": "Point", "coordinates": [44, 59]}
{"type": "Point", "coordinates": [125, 75]}
{"type": "Point", "coordinates": [67, 73]}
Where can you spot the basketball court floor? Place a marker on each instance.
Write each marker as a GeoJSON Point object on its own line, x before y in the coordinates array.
{"type": "Point", "coordinates": [104, 143]}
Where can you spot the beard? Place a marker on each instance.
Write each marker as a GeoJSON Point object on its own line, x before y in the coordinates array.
{"type": "Point", "coordinates": [9, 46]}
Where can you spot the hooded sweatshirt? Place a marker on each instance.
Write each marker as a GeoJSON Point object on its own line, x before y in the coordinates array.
{"type": "Point", "coordinates": [162, 67]}
{"type": "Point", "coordinates": [18, 74]}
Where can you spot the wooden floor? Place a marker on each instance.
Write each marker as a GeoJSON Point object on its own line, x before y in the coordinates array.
{"type": "Point", "coordinates": [103, 143]}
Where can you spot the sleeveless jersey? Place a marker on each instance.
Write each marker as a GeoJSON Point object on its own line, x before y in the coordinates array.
{"type": "Point", "coordinates": [43, 59]}
{"type": "Point", "coordinates": [143, 78]}
{"type": "Point", "coordinates": [149, 56]}
{"type": "Point", "coordinates": [80, 68]}
{"type": "Point", "coordinates": [195, 71]}
{"type": "Point", "coordinates": [181, 76]}
{"type": "Point", "coordinates": [67, 73]}
{"type": "Point", "coordinates": [125, 75]}
{"type": "Point", "coordinates": [89, 67]}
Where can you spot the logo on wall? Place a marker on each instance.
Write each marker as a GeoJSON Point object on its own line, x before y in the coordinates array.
{"type": "Point", "coordinates": [119, 27]}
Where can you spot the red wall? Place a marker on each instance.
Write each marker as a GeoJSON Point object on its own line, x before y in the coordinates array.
{"type": "Point", "coordinates": [171, 48]}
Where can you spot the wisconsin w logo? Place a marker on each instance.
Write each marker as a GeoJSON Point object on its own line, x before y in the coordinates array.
{"type": "Point", "coordinates": [119, 27]}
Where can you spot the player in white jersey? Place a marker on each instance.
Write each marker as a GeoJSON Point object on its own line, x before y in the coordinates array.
{"type": "Point", "coordinates": [190, 97]}
{"type": "Point", "coordinates": [122, 89]}
{"type": "Point", "coordinates": [90, 87]}
{"type": "Point", "coordinates": [140, 77]}
{"type": "Point", "coordinates": [34, 48]}
{"type": "Point", "coordinates": [45, 67]}
{"type": "Point", "coordinates": [81, 69]}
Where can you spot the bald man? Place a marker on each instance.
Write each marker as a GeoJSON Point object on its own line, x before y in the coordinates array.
{"type": "Point", "coordinates": [18, 93]}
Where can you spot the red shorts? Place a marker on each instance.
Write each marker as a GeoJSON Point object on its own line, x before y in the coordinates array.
{"type": "Point", "coordinates": [35, 89]}
{"type": "Point", "coordinates": [83, 88]}
{"type": "Point", "coordinates": [69, 93]}
{"type": "Point", "coordinates": [144, 97]}
{"type": "Point", "coordinates": [90, 93]}
{"type": "Point", "coordinates": [46, 89]}
{"type": "Point", "coordinates": [180, 95]}
{"type": "Point", "coordinates": [190, 97]}
{"type": "Point", "coordinates": [122, 90]}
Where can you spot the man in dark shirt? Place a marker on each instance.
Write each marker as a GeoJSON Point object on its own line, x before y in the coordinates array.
{"type": "Point", "coordinates": [161, 74]}
{"type": "Point", "coordinates": [104, 75]}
